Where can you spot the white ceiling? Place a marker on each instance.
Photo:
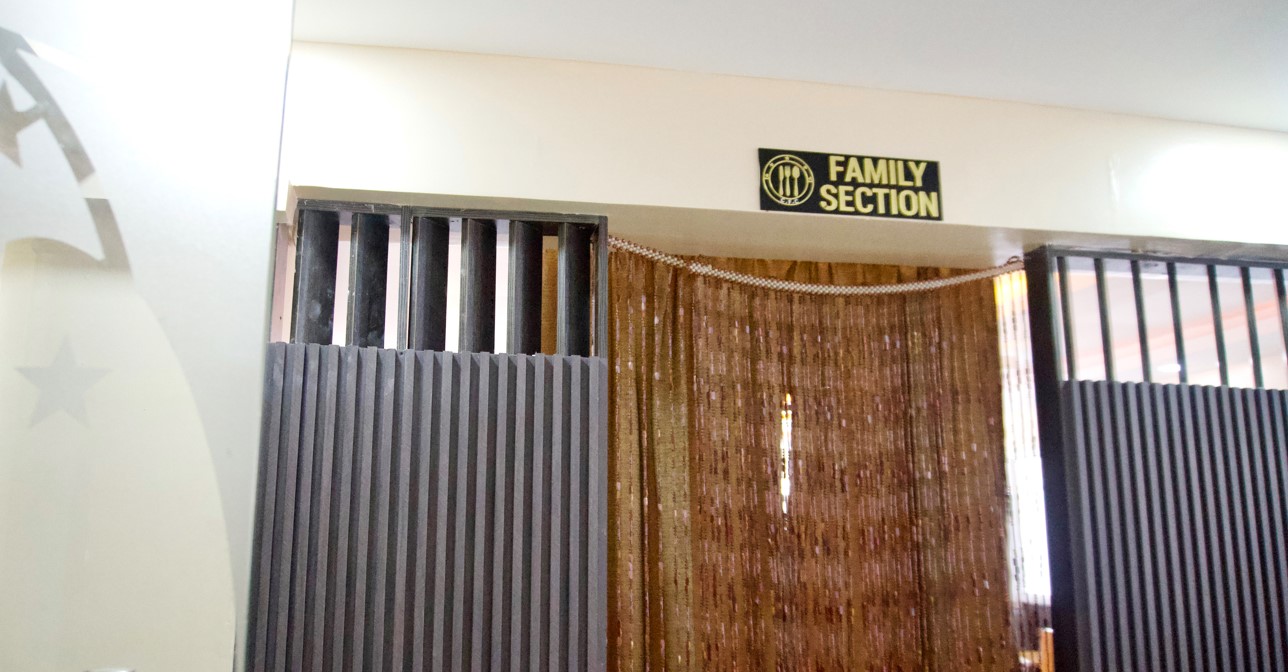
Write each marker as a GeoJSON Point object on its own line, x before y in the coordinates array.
{"type": "Point", "coordinates": [1216, 61]}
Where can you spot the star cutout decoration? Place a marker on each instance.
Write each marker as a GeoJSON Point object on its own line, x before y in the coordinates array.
{"type": "Point", "coordinates": [62, 385]}
{"type": "Point", "coordinates": [12, 122]}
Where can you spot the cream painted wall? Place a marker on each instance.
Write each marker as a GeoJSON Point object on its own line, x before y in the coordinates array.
{"type": "Point", "coordinates": [448, 123]}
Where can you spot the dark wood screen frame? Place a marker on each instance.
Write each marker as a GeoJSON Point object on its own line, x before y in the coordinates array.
{"type": "Point", "coordinates": [556, 225]}
{"type": "Point", "coordinates": [1119, 422]}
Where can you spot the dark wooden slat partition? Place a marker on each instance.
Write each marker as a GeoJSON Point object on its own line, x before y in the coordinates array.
{"type": "Point", "coordinates": [1178, 324]}
{"type": "Point", "coordinates": [430, 511]}
{"type": "Point", "coordinates": [1167, 504]}
{"type": "Point", "coordinates": [423, 270]}
{"type": "Point", "coordinates": [1106, 324]}
{"type": "Point", "coordinates": [421, 510]}
{"type": "Point", "coordinates": [427, 314]}
{"type": "Point", "coordinates": [368, 279]}
{"type": "Point", "coordinates": [316, 246]}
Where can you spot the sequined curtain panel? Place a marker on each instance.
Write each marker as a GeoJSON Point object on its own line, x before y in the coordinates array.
{"type": "Point", "coordinates": [805, 482]}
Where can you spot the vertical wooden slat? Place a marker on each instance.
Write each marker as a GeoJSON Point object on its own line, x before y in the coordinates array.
{"type": "Point", "coordinates": [1115, 537]}
{"type": "Point", "coordinates": [1100, 435]}
{"type": "Point", "coordinates": [1234, 570]}
{"type": "Point", "coordinates": [1142, 546]}
{"type": "Point", "coordinates": [522, 541]}
{"type": "Point", "coordinates": [1106, 324]}
{"type": "Point", "coordinates": [1209, 436]}
{"type": "Point", "coordinates": [1178, 329]}
{"type": "Point", "coordinates": [1247, 505]}
{"type": "Point", "coordinates": [445, 517]}
{"type": "Point", "coordinates": [462, 528]}
{"type": "Point", "coordinates": [321, 599]}
{"type": "Point", "coordinates": [300, 564]}
{"type": "Point", "coordinates": [574, 289]}
{"type": "Point", "coordinates": [597, 565]}
{"type": "Point", "coordinates": [481, 511]}
{"type": "Point", "coordinates": [1142, 325]}
{"type": "Point", "coordinates": [400, 583]}
{"type": "Point", "coordinates": [1214, 291]}
{"type": "Point", "coordinates": [1061, 433]}
{"type": "Point", "coordinates": [316, 246]}
{"type": "Point", "coordinates": [428, 396]}
{"type": "Point", "coordinates": [404, 277]}
{"type": "Point", "coordinates": [339, 644]}
{"type": "Point", "coordinates": [360, 540]}
{"type": "Point", "coordinates": [368, 279]}
{"type": "Point", "coordinates": [1183, 461]}
{"type": "Point", "coordinates": [1158, 440]}
{"type": "Point", "coordinates": [283, 531]}
{"type": "Point", "coordinates": [427, 310]}
{"type": "Point", "coordinates": [1281, 293]}
{"type": "Point", "coordinates": [478, 285]}
{"type": "Point", "coordinates": [505, 479]}
{"type": "Point", "coordinates": [379, 540]}
{"type": "Point", "coordinates": [264, 539]}
{"type": "Point", "coordinates": [574, 629]}
{"type": "Point", "coordinates": [524, 311]}
{"type": "Point", "coordinates": [1250, 310]}
{"type": "Point", "coordinates": [1066, 314]}
{"type": "Point", "coordinates": [558, 517]}
{"type": "Point", "coordinates": [602, 308]}
{"type": "Point", "coordinates": [1191, 414]}
{"type": "Point", "coordinates": [539, 588]}
{"type": "Point", "coordinates": [579, 516]}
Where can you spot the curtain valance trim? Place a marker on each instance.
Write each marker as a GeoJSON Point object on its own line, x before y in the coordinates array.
{"type": "Point", "coordinates": [699, 268]}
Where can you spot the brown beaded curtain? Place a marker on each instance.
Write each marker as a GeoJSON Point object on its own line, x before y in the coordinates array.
{"type": "Point", "coordinates": [859, 526]}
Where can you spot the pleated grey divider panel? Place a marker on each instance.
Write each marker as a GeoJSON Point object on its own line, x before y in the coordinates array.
{"type": "Point", "coordinates": [430, 511]}
{"type": "Point", "coordinates": [1182, 521]}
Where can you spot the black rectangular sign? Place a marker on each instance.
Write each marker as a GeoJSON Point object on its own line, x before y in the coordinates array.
{"type": "Point", "coordinates": [846, 184]}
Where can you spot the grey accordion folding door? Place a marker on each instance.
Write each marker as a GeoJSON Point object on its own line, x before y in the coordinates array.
{"type": "Point", "coordinates": [430, 511]}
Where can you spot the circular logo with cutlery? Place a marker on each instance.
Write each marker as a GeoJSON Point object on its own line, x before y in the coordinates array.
{"type": "Point", "coordinates": [787, 179]}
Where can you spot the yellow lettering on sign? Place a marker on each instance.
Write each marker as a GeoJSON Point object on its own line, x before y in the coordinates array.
{"type": "Point", "coordinates": [827, 197]}
{"type": "Point", "coordinates": [834, 166]}
{"type": "Point", "coordinates": [847, 199]}
{"type": "Point", "coordinates": [880, 193]}
{"type": "Point", "coordinates": [859, 204]}
{"type": "Point", "coordinates": [928, 205]}
{"type": "Point", "coordinates": [875, 171]}
{"type": "Point", "coordinates": [853, 172]}
{"type": "Point", "coordinates": [907, 202]}
{"type": "Point", "coordinates": [918, 169]}
{"type": "Point", "coordinates": [903, 175]}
